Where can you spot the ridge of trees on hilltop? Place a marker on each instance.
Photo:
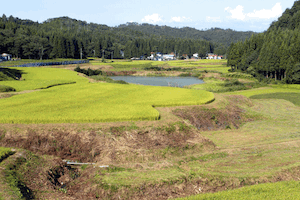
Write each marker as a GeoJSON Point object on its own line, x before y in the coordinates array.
{"type": "Point", "coordinates": [273, 54]}
{"type": "Point", "coordinates": [217, 35]}
{"type": "Point", "coordinates": [64, 37]}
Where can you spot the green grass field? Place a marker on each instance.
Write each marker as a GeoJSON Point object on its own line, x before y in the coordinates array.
{"type": "Point", "coordinates": [229, 85]}
{"type": "Point", "coordinates": [88, 102]}
{"type": "Point", "coordinates": [292, 97]}
{"type": "Point", "coordinates": [276, 191]}
{"type": "Point", "coordinates": [267, 90]}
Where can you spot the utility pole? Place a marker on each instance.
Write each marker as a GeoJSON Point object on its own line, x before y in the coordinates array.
{"type": "Point", "coordinates": [103, 54]}
{"type": "Point", "coordinates": [80, 53]}
{"type": "Point", "coordinates": [94, 53]}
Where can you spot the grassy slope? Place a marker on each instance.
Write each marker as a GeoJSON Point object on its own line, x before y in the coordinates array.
{"type": "Point", "coordinates": [268, 90]}
{"type": "Point", "coordinates": [276, 191]}
{"type": "Point", "coordinates": [292, 97]}
{"type": "Point", "coordinates": [6, 192]}
{"type": "Point", "coordinates": [89, 102]}
{"type": "Point", "coordinates": [271, 143]}
{"type": "Point", "coordinates": [251, 152]}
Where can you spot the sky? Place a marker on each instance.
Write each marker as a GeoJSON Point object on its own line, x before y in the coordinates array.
{"type": "Point", "coordinates": [239, 15]}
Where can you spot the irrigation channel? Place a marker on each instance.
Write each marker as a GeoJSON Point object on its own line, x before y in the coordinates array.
{"type": "Point", "coordinates": [160, 81]}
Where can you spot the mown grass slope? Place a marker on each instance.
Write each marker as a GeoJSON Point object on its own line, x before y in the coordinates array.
{"type": "Point", "coordinates": [276, 191]}
{"type": "Point", "coordinates": [292, 97]}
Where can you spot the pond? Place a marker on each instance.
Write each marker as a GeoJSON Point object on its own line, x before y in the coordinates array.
{"type": "Point", "coordinates": [160, 81]}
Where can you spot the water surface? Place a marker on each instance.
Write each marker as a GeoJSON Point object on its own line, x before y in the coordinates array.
{"type": "Point", "coordinates": [160, 81]}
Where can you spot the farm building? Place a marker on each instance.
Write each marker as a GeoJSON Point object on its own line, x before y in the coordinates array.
{"type": "Point", "coordinates": [5, 57]}
{"type": "Point", "coordinates": [169, 57]}
{"type": "Point", "coordinates": [213, 56]}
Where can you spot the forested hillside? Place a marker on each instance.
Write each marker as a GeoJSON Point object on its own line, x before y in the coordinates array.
{"type": "Point", "coordinates": [273, 54]}
{"type": "Point", "coordinates": [217, 35]}
{"type": "Point", "coordinates": [66, 38]}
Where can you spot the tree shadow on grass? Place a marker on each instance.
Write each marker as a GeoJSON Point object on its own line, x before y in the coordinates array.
{"type": "Point", "coordinates": [12, 73]}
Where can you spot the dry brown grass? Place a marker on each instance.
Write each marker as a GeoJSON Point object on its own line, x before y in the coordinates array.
{"type": "Point", "coordinates": [208, 118]}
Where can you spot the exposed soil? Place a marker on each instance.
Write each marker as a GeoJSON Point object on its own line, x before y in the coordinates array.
{"type": "Point", "coordinates": [5, 95]}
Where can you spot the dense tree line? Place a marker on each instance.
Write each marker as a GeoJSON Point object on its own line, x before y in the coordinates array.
{"type": "Point", "coordinates": [273, 54]}
{"type": "Point", "coordinates": [69, 38]}
{"type": "Point", "coordinates": [216, 35]}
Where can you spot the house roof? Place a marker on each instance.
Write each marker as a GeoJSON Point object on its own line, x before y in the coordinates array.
{"type": "Point", "coordinates": [5, 54]}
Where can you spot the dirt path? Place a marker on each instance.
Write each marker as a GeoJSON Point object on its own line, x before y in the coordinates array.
{"type": "Point", "coordinates": [10, 94]}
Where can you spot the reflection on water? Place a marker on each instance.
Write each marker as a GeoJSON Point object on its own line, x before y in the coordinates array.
{"type": "Point", "coordinates": [160, 81]}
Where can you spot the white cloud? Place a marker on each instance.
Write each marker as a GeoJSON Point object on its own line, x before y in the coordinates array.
{"type": "Point", "coordinates": [276, 11]}
{"type": "Point", "coordinates": [154, 18]}
{"type": "Point", "coordinates": [238, 13]}
{"type": "Point", "coordinates": [180, 19]}
{"type": "Point", "coordinates": [213, 19]}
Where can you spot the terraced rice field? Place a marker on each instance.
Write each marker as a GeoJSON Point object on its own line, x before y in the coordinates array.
{"type": "Point", "coordinates": [40, 78]}
{"type": "Point", "coordinates": [88, 102]}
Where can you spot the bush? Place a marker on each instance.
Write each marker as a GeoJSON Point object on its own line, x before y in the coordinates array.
{"type": "Point", "coordinates": [88, 72]}
{"type": "Point", "coordinates": [4, 88]}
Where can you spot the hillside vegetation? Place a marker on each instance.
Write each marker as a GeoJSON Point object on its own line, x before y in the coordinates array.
{"type": "Point", "coordinates": [67, 38]}
{"type": "Point", "coordinates": [273, 55]}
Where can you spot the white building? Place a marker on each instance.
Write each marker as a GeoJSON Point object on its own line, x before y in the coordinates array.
{"type": "Point", "coordinates": [196, 55]}
{"type": "Point", "coordinates": [169, 57]}
{"type": "Point", "coordinates": [6, 57]}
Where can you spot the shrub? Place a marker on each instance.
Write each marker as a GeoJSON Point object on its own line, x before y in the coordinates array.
{"type": "Point", "coordinates": [88, 72]}
{"type": "Point", "coordinates": [4, 88]}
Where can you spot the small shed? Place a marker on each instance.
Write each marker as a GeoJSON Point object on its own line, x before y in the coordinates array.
{"type": "Point", "coordinates": [6, 57]}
